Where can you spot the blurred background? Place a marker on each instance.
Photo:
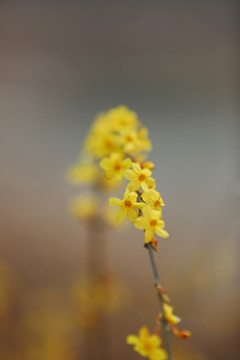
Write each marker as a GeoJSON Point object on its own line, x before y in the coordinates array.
{"type": "Point", "coordinates": [175, 64]}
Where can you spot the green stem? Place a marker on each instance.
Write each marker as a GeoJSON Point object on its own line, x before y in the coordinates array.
{"type": "Point", "coordinates": [164, 321]}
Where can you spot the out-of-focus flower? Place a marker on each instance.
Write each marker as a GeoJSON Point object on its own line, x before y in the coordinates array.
{"type": "Point", "coordinates": [84, 206]}
{"type": "Point", "coordinates": [128, 206]}
{"type": "Point", "coordinates": [83, 174]}
{"type": "Point", "coordinates": [147, 345]}
{"type": "Point", "coordinates": [139, 178]}
{"type": "Point", "coordinates": [99, 297]}
{"type": "Point", "coordinates": [109, 185]}
{"type": "Point", "coordinates": [115, 165]}
{"type": "Point", "coordinates": [102, 144]}
{"type": "Point", "coordinates": [48, 328]}
{"type": "Point", "coordinates": [153, 198]}
{"type": "Point", "coordinates": [122, 118]}
{"type": "Point", "coordinates": [133, 142]}
{"type": "Point", "coordinates": [110, 217]}
{"type": "Point", "coordinates": [151, 222]}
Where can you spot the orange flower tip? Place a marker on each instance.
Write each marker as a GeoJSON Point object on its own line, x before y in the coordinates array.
{"type": "Point", "coordinates": [154, 244]}
{"type": "Point", "coordinates": [183, 334]}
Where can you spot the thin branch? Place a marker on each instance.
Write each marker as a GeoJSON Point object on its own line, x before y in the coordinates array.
{"type": "Point", "coordinates": [157, 282]}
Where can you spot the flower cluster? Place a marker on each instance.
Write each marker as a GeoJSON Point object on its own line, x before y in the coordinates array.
{"type": "Point", "coordinates": [119, 145]}
{"type": "Point", "coordinates": [118, 139]}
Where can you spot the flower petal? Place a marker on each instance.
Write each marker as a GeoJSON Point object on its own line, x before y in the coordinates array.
{"type": "Point", "coordinates": [147, 172]}
{"type": "Point", "coordinates": [126, 163]}
{"type": "Point", "coordinates": [134, 185]}
{"type": "Point", "coordinates": [158, 354]}
{"type": "Point", "coordinates": [147, 212]}
{"type": "Point", "coordinates": [132, 214]}
{"type": "Point", "coordinates": [114, 201]}
{"type": "Point", "coordinates": [141, 223]}
{"type": "Point", "coordinates": [132, 340]}
{"type": "Point", "coordinates": [161, 232]}
{"type": "Point", "coordinates": [143, 333]}
{"type": "Point", "coordinates": [121, 214]}
{"type": "Point", "coordinates": [105, 163]}
{"type": "Point", "coordinates": [148, 235]}
{"type": "Point", "coordinates": [130, 175]}
{"type": "Point", "coordinates": [137, 169]}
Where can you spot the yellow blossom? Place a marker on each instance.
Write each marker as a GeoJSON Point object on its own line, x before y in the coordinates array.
{"type": "Point", "coordinates": [151, 222]}
{"type": "Point", "coordinates": [115, 166]}
{"type": "Point", "coordinates": [127, 206]}
{"type": "Point", "coordinates": [121, 118]}
{"type": "Point", "coordinates": [153, 198]}
{"type": "Point", "coordinates": [84, 206]}
{"type": "Point", "coordinates": [102, 144]}
{"type": "Point", "coordinates": [147, 345]}
{"type": "Point", "coordinates": [83, 174]}
{"type": "Point", "coordinates": [170, 317]}
{"type": "Point", "coordinates": [143, 139]}
{"type": "Point", "coordinates": [130, 142]}
{"type": "Point", "coordinates": [139, 178]}
{"type": "Point", "coordinates": [133, 142]}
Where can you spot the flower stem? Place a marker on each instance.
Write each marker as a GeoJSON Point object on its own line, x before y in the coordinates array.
{"type": "Point", "coordinates": [164, 321]}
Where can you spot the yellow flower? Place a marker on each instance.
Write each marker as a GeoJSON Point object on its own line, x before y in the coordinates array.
{"type": "Point", "coordinates": [84, 207]}
{"type": "Point", "coordinates": [127, 206]}
{"type": "Point", "coordinates": [102, 144]}
{"type": "Point", "coordinates": [147, 345]}
{"type": "Point", "coordinates": [83, 174]}
{"type": "Point", "coordinates": [129, 140]}
{"type": "Point", "coordinates": [151, 222]}
{"type": "Point", "coordinates": [134, 141]}
{"type": "Point", "coordinates": [139, 178]}
{"type": "Point", "coordinates": [121, 118]}
{"type": "Point", "coordinates": [143, 139]}
{"type": "Point", "coordinates": [115, 166]}
{"type": "Point", "coordinates": [170, 317]}
{"type": "Point", "coordinates": [153, 198]}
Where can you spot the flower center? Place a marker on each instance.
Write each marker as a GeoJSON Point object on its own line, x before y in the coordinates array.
{"type": "Point", "coordinates": [129, 138]}
{"type": "Point", "coordinates": [147, 346]}
{"type": "Point", "coordinates": [109, 145]}
{"type": "Point", "coordinates": [117, 166]}
{"type": "Point", "coordinates": [123, 122]}
{"type": "Point", "coordinates": [157, 203]}
{"type": "Point", "coordinates": [153, 223]}
{"type": "Point", "coordinates": [142, 177]}
{"type": "Point", "coordinates": [127, 203]}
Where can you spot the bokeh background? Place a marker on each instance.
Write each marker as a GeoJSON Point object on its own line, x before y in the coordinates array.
{"type": "Point", "coordinates": [175, 64]}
